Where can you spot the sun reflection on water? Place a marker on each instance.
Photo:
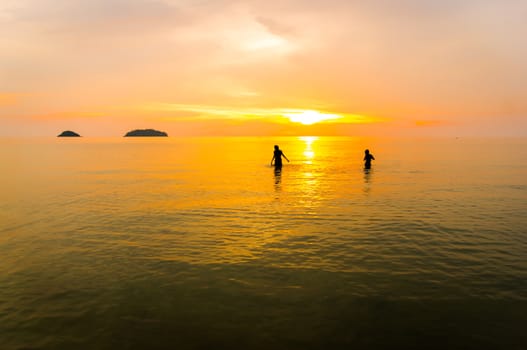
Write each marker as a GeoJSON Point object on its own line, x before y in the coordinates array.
{"type": "Point", "coordinates": [308, 151]}
{"type": "Point", "coordinates": [310, 176]}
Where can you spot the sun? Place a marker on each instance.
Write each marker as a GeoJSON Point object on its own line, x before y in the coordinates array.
{"type": "Point", "coordinates": [308, 117]}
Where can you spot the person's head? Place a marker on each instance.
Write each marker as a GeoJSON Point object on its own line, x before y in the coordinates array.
{"type": "Point", "coordinates": [276, 147]}
{"type": "Point", "coordinates": [367, 151]}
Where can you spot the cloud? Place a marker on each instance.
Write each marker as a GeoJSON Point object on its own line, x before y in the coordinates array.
{"type": "Point", "coordinates": [93, 15]}
{"type": "Point", "coordinates": [429, 122]}
{"type": "Point", "coordinates": [9, 99]}
{"type": "Point", "coordinates": [276, 27]}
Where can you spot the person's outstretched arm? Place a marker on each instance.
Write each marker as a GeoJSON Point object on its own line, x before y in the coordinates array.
{"type": "Point", "coordinates": [272, 160]}
{"type": "Point", "coordinates": [285, 157]}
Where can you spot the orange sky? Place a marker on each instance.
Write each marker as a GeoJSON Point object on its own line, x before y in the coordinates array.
{"type": "Point", "coordinates": [198, 67]}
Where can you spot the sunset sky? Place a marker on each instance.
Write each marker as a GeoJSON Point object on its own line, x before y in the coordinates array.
{"type": "Point", "coordinates": [261, 67]}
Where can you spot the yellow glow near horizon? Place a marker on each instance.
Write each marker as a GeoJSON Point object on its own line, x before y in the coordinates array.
{"type": "Point", "coordinates": [287, 119]}
{"type": "Point", "coordinates": [310, 117]}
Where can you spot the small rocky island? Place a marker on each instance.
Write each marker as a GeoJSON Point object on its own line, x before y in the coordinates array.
{"type": "Point", "coordinates": [145, 132]}
{"type": "Point", "coordinates": [68, 133]}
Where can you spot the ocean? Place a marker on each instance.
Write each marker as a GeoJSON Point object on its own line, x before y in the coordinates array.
{"type": "Point", "coordinates": [198, 243]}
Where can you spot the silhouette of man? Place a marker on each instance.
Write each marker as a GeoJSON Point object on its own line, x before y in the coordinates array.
{"type": "Point", "coordinates": [368, 157]}
{"type": "Point", "coordinates": [277, 157]}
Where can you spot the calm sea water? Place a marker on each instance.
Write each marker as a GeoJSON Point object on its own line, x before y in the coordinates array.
{"type": "Point", "coordinates": [197, 243]}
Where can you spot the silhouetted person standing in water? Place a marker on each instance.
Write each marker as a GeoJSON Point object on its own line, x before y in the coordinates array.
{"type": "Point", "coordinates": [277, 157]}
{"type": "Point", "coordinates": [368, 157]}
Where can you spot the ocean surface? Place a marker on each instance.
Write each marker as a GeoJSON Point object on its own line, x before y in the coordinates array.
{"type": "Point", "coordinates": [198, 243]}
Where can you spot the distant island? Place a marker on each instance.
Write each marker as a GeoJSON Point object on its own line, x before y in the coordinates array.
{"type": "Point", "coordinates": [69, 133]}
{"type": "Point", "coordinates": [145, 132]}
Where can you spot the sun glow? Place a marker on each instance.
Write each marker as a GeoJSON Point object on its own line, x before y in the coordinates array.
{"type": "Point", "coordinates": [310, 117]}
